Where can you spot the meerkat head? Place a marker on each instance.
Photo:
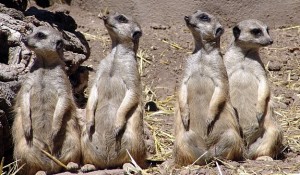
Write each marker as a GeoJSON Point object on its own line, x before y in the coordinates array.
{"type": "Point", "coordinates": [251, 34]}
{"type": "Point", "coordinates": [122, 28]}
{"type": "Point", "coordinates": [44, 41]}
{"type": "Point", "coordinates": [204, 25]}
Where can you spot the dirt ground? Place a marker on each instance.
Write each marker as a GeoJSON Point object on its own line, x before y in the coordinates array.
{"type": "Point", "coordinates": [164, 47]}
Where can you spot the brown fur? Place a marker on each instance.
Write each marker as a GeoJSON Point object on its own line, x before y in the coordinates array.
{"type": "Point", "coordinates": [205, 122]}
{"type": "Point", "coordinates": [249, 89]}
{"type": "Point", "coordinates": [114, 110]}
{"type": "Point", "coordinates": [45, 109]}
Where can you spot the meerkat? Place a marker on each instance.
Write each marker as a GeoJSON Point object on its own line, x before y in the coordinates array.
{"type": "Point", "coordinates": [205, 122]}
{"type": "Point", "coordinates": [45, 109]}
{"type": "Point", "coordinates": [114, 113]}
{"type": "Point", "coordinates": [249, 89]}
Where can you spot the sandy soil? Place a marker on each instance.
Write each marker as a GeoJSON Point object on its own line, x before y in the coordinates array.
{"type": "Point", "coordinates": [166, 42]}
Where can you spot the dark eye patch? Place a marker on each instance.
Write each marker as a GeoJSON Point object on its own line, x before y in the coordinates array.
{"type": "Point", "coordinates": [204, 17]}
{"type": "Point", "coordinates": [256, 32]}
{"type": "Point", "coordinates": [122, 19]}
{"type": "Point", "coordinates": [40, 35]}
{"type": "Point", "coordinates": [268, 30]}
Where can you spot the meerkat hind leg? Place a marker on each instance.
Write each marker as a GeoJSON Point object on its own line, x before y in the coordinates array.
{"type": "Point", "coordinates": [229, 145]}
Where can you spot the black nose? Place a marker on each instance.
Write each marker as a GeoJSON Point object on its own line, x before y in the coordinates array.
{"type": "Point", "coordinates": [219, 31]}
{"type": "Point", "coordinates": [186, 18]}
{"type": "Point", "coordinates": [271, 42]}
{"type": "Point", "coordinates": [136, 35]}
{"type": "Point", "coordinates": [105, 19]}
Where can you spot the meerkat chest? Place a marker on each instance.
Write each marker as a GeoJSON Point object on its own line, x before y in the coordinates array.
{"type": "Point", "coordinates": [46, 85]}
{"type": "Point", "coordinates": [201, 82]}
{"type": "Point", "coordinates": [243, 75]}
{"type": "Point", "coordinates": [112, 83]}
{"type": "Point", "coordinates": [206, 68]}
{"type": "Point", "coordinates": [43, 97]}
{"type": "Point", "coordinates": [203, 74]}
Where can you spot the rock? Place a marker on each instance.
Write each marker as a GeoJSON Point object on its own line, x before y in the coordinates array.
{"type": "Point", "coordinates": [60, 20]}
{"type": "Point", "coordinates": [12, 12]}
{"type": "Point", "coordinates": [274, 66]}
{"type": "Point", "coordinates": [156, 26]}
{"type": "Point", "coordinates": [16, 4]}
{"type": "Point", "coordinates": [295, 77]}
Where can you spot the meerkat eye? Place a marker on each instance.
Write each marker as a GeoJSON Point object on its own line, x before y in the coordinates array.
{"type": "Point", "coordinates": [40, 35]}
{"type": "Point", "coordinates": [204, 17]}
{"type": "Point", "coordinates": [256, 32]}
{"type": "Point", "coordinates": [122, 19]}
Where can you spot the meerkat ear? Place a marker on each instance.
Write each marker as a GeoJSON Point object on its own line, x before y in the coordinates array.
{"type": "Point", "coordinates": [59, 45]}
{"type": "Point", "coordinates": [236, 32]}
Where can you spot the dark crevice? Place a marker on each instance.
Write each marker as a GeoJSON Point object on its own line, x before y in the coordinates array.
{"type": "Point", "coordinates": [4, 48]}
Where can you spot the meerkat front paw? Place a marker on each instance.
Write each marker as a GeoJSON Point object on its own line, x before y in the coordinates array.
{"type": "Point", "coordinates": [119, 126]}
{"type": "Point", "coordinates": [117, 133]}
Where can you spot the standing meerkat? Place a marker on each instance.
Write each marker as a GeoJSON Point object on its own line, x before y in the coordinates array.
{"type": "Point", "coordinates": [205, 122]}
{"type": "Point", "coordinates": [249, 89]}
{"type": "Point", "coordinates": [45, 109]}
{"type": "Point", "coordinates": [114, 114]}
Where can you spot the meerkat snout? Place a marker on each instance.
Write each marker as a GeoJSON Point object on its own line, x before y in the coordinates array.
{"type": "Point", "coordinates": [219, 31]}
{"type": "Point", "coordinates": [59, 45]}
{"type": "Point", "coordinates": [136, 35]}
{"type": "Point", "coordinates": [186, 18]}
{"type": "Point", "coordinates": [24, 40]}
{"type": "Point", "coordinates": [270, 42]}
{"type": "Point", "coordinates": [104, 18]}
